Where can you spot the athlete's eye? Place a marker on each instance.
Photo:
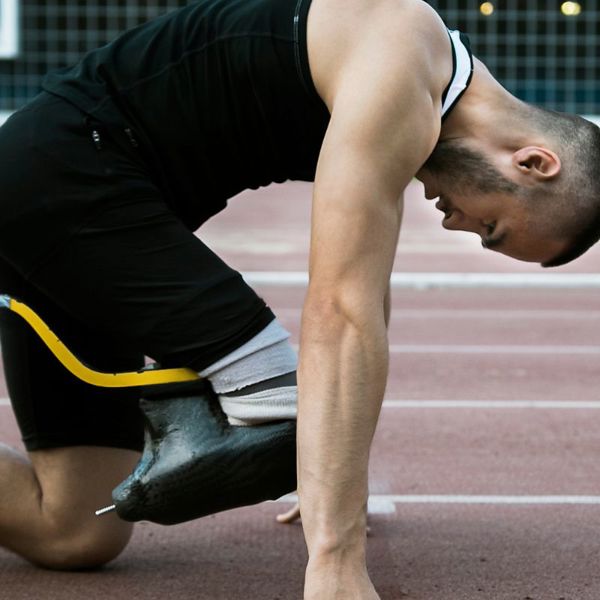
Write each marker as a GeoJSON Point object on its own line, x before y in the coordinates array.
{"type": "Point", "coordinates": [490, 228]}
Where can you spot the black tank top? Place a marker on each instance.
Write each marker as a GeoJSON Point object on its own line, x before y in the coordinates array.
{"type": "Point", "coordinates": [217, 97]}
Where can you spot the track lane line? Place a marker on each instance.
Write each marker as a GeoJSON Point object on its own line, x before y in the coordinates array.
{"type": "Point", "coordinates": [428, 404]}
{"type": "Point", "coordinates": [446, 280]}
{"type": "Point", "coordinates": [490, 349]}
{"type": "Point", "coordinates": [529, 349]}
{"type": "Point", "coordinates": [386, 503]}
{"type": "Point", "coordinates": [533, 404]}
{"type": "Point", "coordinates": [476, 313]}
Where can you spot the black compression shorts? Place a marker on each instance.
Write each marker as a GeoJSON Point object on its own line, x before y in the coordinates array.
{"type": "Point", "coordinates": [88, 241]}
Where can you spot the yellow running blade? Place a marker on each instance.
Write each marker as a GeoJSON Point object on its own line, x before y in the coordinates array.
{"type": "Point", "coordinates": [83, 372]}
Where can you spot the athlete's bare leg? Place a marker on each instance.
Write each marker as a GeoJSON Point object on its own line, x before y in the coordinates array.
{"type": "Point", "coordinates": [47, 504]}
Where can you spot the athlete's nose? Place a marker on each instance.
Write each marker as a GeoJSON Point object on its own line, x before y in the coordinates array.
{"type": "Point", "coordinates": [431, 193]}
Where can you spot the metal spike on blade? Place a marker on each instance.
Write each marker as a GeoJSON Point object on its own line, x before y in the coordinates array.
{"type": "Point", "coordinates": [105, 510]}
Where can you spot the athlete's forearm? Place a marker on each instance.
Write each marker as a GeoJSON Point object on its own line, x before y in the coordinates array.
{"type": "Point", "coordinates": [342, 374]}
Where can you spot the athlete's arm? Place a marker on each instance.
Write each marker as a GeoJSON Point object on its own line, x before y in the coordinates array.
{"type": "Point", "coordinates": [385, 122]}
{"type": "Point", "coordinates": [293, 514]}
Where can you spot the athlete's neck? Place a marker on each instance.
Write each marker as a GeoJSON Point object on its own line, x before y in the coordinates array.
{"type": "Point", "coordinates": [488, 114]}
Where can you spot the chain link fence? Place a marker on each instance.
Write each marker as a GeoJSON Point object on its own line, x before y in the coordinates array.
{"type": "Point", "coordinates": [537, 52]}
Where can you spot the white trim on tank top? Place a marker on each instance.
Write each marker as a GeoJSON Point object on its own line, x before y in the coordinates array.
{"type": "Point", "coordinates": [462, 74]}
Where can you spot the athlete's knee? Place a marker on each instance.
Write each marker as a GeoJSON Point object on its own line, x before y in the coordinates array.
{"type": "Point", "coordinates": [257, 382]}
{"type": "Point", "coordinates": [82, 546]}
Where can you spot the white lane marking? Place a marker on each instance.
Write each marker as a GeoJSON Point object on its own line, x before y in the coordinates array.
{"type": "Point", "coordinates": [490, 349]}
{"type": "Point", "coordinates": [472, 314]}
{"type": "Point", "coordinates": [446, 280]}
{"type": "Point", "coordinates": [535, 404]}
{"type": "Point", "coordinates": [511, 315]}
{"type": "Point", "coordinates": [487, 349]}
{"type": "Point", "coordinates": [383, 503]}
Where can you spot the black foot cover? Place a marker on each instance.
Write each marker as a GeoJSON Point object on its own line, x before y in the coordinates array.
{"type": "Point", "coordinates": [195, 463]}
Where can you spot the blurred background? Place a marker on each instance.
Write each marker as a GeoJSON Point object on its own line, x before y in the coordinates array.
{"type": "Point", "coordinates": [545, 52]}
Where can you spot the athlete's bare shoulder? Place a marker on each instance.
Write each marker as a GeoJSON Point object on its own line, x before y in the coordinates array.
{"type": "Point", "coordinates": [395, 31]}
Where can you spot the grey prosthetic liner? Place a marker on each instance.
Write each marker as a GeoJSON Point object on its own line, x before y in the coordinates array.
{"type": "Point", "coordinates": [195, 463]}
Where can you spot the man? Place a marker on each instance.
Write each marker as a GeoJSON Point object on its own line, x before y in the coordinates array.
{"type": "Point", "coordinates": [126, 154]}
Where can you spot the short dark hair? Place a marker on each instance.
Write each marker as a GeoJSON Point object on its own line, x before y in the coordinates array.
{"type": "Point", "coordinates": [577, 195]}
{"type": "Point", "coordinates": [582, 242]}
{"type": "Point", "coordinates": [586, 238]}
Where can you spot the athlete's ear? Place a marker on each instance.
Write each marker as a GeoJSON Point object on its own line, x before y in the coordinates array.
{"type": "Point", "coordinates": [535, 162]}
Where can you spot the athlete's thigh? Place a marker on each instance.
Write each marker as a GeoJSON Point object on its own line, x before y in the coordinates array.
{"type": "Point", "coordinates": [140, 275]}
{"type": "Point", "coordinates": [86, 224]}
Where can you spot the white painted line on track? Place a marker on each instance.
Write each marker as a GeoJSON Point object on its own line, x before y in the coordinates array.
{"type": "Point", "coordinates": [489, 349]}
{"type": "Point", "coordinates": [446, 280]}
{"type": "Point", "coordinates": [427, 404]}
{"type": "Point", "coordinates": [535, 404]}
{"type": "Point", "coordinates": [381, 505]}
{"type": "Point", "coordinates": [386, 504]}
{"type": "Point", "coordinates": [4, 114]}
{"type": "Point", "coordinates": [511, 315]}
{"type": "Point", "coordinates": [472, 314]}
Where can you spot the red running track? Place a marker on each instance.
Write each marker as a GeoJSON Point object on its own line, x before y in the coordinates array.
{"type": "Point", "coordinates": [494, 395]}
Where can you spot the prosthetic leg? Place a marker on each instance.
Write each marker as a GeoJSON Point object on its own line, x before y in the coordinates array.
{"type": "Point", "coordinates": [194, 462]}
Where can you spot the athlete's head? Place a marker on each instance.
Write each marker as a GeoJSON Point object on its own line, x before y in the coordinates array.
{"type": "Point", "coordinates": [538, 202]}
